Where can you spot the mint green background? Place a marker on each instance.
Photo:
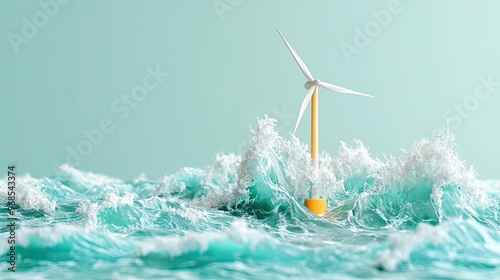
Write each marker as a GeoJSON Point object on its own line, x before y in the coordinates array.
{"type": "Point", "coordinates": [226, 73]}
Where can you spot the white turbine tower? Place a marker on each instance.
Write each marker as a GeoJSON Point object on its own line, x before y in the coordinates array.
{"type": "Point", "coordinates": [312, 93]}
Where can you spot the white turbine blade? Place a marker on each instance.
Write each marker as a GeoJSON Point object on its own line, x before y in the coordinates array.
{"type": "Point", "coordinates": [303, 107]}
{"type": "Point", "coordinates": [299, 61]}
{"type": "Point", "coordinates": [341, 89]}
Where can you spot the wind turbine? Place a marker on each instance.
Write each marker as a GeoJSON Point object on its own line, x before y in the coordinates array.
{"type": "Point", "coordinates": [315, 204]}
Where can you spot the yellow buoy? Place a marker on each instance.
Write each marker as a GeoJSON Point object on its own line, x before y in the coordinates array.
{"type": "Point", "coordinates": [316, 205]}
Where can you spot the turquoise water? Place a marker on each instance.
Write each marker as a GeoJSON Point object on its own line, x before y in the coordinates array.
{"type": "Point", "coordinates": [421, 214]}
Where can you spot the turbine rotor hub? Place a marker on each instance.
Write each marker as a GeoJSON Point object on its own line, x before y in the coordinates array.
{"type": "Point", "coordinates": [314, 82]}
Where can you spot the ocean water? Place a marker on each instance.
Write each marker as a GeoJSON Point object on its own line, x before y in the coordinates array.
{"type": "Point", "coordinates": [421, 214]}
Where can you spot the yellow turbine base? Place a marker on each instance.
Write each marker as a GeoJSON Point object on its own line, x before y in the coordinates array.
{"type": "Point", "coordinates": [316, 205]}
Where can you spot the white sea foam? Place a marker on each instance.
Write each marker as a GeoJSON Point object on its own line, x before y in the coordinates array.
{"type": "Point", "coordinates": [92, 179]}
{"type": "Point", "coordinates": [402, 244]}
{"type": "Point", "coordinates": [211, 184]}
{"type": "Point", "coordinates": [433, 159]}
{"type": "Point", "coordinates": [189, 213]}
{"type": "Point", "coordinates": [113, 200]}
{"type": "Point", "coordinates": [353, 161]}
{"type": "Point", "coordinates": [455, 239]}
{"type": "Point", "coordinates": [29, 194]}
{"type": "Point", "coordinates": [89, 210]}
{"type": "Point", "coordinates": [174, 246]}
{"type": "Point", "coordinates": [268, 154]}
{"type": "Point", "coordinates": [85, 242]}
{"type": "Point", "coordinates": [83, 181]}
{"type": "Point", "coordinates": [49, 235]}
{"type": "Point", "coordinates": [31, 197]}
{"type": "Point", "coordinates": [141, 177]}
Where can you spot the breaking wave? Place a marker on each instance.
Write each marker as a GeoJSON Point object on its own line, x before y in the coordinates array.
{"type": "Point", "coordinates": [423, 213]}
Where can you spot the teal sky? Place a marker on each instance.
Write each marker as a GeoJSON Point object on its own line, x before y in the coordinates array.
{"type": "Point", "coordinates": [68, 70]}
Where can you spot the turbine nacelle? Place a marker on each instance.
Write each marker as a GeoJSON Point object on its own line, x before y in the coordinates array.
{"type": "Point", "coordinates": [314, 82]}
